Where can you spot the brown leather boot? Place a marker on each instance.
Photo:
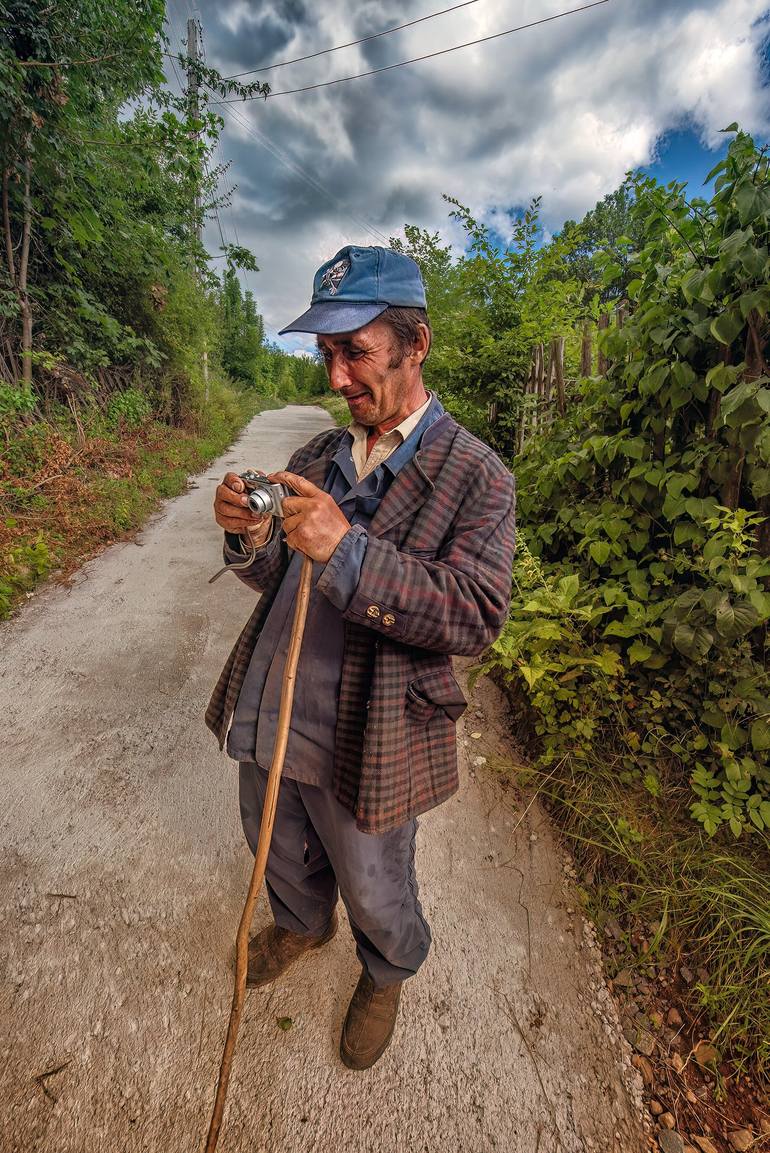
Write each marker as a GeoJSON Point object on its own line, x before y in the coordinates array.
{"type": "Point", "coordinates": [370, 1021]}
{"type": "Point", "coordinates": [273, 950]}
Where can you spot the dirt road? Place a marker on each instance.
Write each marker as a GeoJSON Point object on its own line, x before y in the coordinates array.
{"type": "Point", "coordinates": [124, 871]}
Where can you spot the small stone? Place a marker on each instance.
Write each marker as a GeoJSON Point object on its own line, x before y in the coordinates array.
{"type": "Point", "coordinates": [677, 1061]}
{"type": "Point", "coordinates": [656, 1019]}
{"type": "Point", "coordinates": [479, 761]}
{"type": "Point", "coordinates": [645, 1068]}
{"type": "Point", "coordinates": [706, 1054]}
{"type": "Point", "coordinates": [705, 1144]}
{"type": "Point", "coordinates": [624, 979]}
{"type": "Point", "coordinates": [612, 927]}
{"type": "Point", "coordinates": [667, 1121]}
{"type": "Point", "coordinates": [686, 974]}
{"type": "Point", "coordinates": [764, 1126]}
{"type": "Point", "coordinates": [703, 975]}
{"type": "Point", "coordinates": [475, 736]}
{"type": "Point", "coordinates": [691, 1097]}
{"type": "Point", "coordinates": [670, 1141]}
{"type": "Point", "coordinates": [741, 1139]}
{"type": "Point", "coordinates": [656, 1108]}
{"type": "Point", "coordinates": [644, 1042]}
{"type": "Point", "coordinates": [674, 1018]}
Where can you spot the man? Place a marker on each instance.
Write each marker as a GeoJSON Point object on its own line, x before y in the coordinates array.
{"type": "Point", "coordinates": [410, 522]}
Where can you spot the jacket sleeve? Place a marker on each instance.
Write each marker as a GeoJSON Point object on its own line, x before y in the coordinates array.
{"type": "Point", "coordinates": [270, 561]}
{"type": "Point", "coordinates": [458, 602]}
{"type": "Point", "coordinates": [269, 564]}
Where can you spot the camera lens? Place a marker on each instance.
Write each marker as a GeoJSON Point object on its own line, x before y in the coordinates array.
{"type": "Point", "coordinates": [260, 502]}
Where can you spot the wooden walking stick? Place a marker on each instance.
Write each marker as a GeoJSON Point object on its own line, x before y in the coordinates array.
{"type": "Point", "coordinates": [263, 848]}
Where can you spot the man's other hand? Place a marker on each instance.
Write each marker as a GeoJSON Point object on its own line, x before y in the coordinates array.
{"type": "Point", "coordinates": [233, 514]}
{"type": "Point", "coordinates": [312, 522]}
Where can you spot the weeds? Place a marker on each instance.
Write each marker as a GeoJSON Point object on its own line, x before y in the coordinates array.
{"type": "Point", "coordinates": [691, 901]}
{"type": "Point", "coordinates": [67, 491]}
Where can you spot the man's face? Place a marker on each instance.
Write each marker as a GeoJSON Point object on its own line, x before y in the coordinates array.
{"type": "Point", "coordinates": [361, 367]}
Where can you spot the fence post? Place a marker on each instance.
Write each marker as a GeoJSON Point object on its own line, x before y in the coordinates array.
{"type": "Point", "coordinates": [539, 389]}
{"type": "Point", "coordinates": [602, 362]}
{"type": "Point", "coordinates": [586, 352]}
{"type": "Point", "coordinates": [557, 365]}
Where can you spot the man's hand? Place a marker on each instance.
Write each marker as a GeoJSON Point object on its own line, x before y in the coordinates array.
{"type": "Point", "coordinates": [232, 513]}
{"type": "Point", "coordinates": [313, 523]}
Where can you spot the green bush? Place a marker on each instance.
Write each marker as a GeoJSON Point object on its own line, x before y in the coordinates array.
{"type": "Point", "coordinates": [15, 399]}
{"type": "Point", "coordinates": [23, 567]}
{"type": "Point", "coordinates": [648, 507]}
{"type": "Point", "coordinates": [130, 408]}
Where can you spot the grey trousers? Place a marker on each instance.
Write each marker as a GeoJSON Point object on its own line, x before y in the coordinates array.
{"type": "Point", "coordinates": [317, 854]}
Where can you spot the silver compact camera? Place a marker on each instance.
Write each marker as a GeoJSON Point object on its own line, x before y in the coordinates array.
{"type": "Point", "coordinates": [264, 497]}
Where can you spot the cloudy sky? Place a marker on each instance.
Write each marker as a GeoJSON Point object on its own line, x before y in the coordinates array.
{"type": "Point", "coordinates": [561, 110]}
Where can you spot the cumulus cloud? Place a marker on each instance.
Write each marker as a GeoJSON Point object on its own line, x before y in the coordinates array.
{"type": "Point", "coordinates": [563, 110]}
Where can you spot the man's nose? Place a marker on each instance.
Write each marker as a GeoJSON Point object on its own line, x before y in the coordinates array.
{"type": "Point", "coordinates": [338, 373]}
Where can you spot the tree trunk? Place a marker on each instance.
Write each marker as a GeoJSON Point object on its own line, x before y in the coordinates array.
{"type": "Point", "coordinates": [715, 401]}
{"type": "Point", "coordinates": [18, 274]}
{"type": "Point", "coordinates": [731, 489]}
{"type": "Point", "coordinates": [9, 259]}
{"type": "Point", "coordinates": [763, 530]}
{"type": "Point", "coordinates": [26, 310]}
{"type": "Point", "coordinates": [754, 355]}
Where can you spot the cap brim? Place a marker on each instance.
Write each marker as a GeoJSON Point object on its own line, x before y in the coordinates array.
{"type": "Point", "coordinates": [330, 316]}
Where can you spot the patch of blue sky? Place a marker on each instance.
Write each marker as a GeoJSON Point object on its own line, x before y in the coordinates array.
{"type": "Point", "coordinates": [682, 156]}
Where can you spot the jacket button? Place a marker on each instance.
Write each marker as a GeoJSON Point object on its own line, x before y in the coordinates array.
{"type": "Point", "coordinates": [388, 619]}
{"type": "Point", "coordinates": [373, 612]}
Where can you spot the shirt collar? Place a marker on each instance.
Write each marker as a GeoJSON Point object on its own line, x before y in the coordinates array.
{"type": "Point", "coordinates": [420, 420]}
{"type": "Point", "coordinates": [429, 413]}
{"type": "Point", "coordinates": [407, 425]}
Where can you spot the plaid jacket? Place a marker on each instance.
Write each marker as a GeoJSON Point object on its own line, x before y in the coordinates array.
{"type": "Point", "coordinates": [435, 582]}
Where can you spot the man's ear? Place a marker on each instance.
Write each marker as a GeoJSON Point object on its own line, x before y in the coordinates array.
{"type": "Point", "coordinates": [421, 345]}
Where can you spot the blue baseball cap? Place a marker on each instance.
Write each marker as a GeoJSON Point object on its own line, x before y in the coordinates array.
{"type": "Point", "coordinates": [356, 286]}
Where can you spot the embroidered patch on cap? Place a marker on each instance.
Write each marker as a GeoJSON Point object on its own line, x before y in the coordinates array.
{"type": "Point", "coordinates": [334, 276]}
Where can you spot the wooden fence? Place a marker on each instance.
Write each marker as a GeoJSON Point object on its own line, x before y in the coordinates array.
{"type": "Point", "coordinates": [547, 390]}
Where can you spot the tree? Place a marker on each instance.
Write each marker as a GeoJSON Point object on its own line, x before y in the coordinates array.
{"type": "Point", "coordinates": [99, 212]}
{"type": "Point", "coordinates": [611, 229]}
{"type": "Point", "coordinates": [488, 308]}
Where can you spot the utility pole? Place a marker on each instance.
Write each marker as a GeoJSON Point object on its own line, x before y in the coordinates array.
{"type": "Point", "coordinates": [193, 51]}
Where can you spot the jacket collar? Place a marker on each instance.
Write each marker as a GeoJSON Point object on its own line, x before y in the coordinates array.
{"type": "Point", "coordinates": [412, 484]}
{"type": "Point", "coordinates": [417, 478]}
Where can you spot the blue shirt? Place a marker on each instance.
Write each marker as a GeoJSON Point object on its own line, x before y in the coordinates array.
{"type": "Point", "coordinates": [310, 749]}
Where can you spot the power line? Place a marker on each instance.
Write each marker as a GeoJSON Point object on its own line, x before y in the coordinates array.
{"type": "Point", "coordinates": [350, 43]}
{"type": "Point", "coordinates": [294, 167]}
{"type": "Point", "coordinates": [418, 59]}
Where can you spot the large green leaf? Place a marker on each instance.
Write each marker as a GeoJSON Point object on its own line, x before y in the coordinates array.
{"type": "Point", "coordinates": [735, 620]}
{"type": "Point", "coordinates": [695, 285]}
{"type": "Point", "coordinates": [639, 651]}
{"type": "Point", "coordinates": [752, 200]}
{"type": "Point", "coordinates": [727, 326]}
{"type": "Point", "coordinates": [692, 642]}
{"type": "Point", "coordinates": [760, 735]}
{"type": "Point", "coordinates": [600, 551]}
{"type": "Point", "coordinates": [738, 395]}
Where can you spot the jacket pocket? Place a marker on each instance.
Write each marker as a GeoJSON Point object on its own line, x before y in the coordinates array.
{"type": "Point", "coordinates": [419, 553]}
{"type": "Point", "coordinates": [436, 689]}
